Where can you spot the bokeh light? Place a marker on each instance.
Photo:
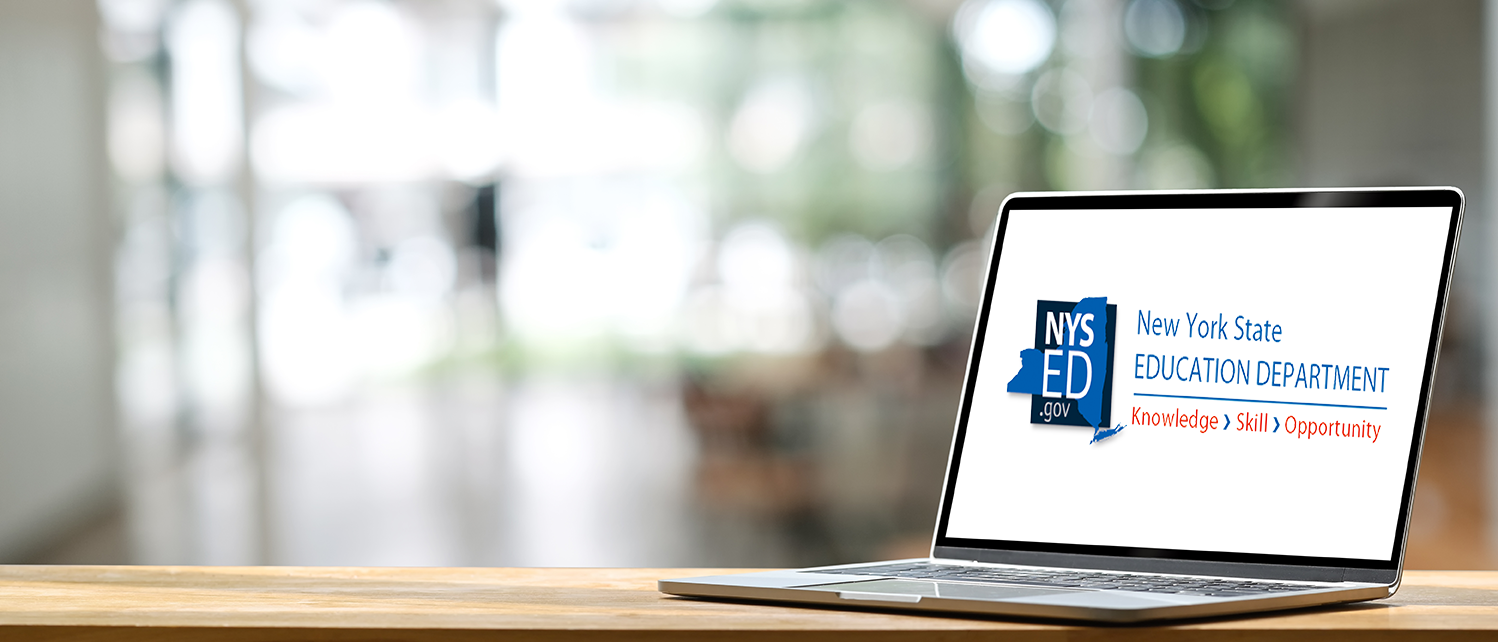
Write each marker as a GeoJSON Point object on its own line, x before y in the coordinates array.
{"type": "Point", "coordinates": [1155, 28]}
{"type": "Point", "coordinates": [1062, 100]}
{"type": "Point", "coordinates": [203, 36]}
{"type": "Point", "coordinates": [1119, 121]}
{"type": "Point", "coordinates": [774, 121]}
{"type": "Point", "coordinates": [1005, 37]}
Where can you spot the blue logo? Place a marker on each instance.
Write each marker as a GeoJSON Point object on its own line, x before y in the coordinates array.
{"type": "Point", "coordinates": [1069, 373]}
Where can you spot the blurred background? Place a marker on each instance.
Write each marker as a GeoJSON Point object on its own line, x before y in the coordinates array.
{"type": "Point", "coordinates": [625, 282]}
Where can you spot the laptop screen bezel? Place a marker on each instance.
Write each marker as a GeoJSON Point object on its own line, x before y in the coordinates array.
{"type": "Point", "coordinates": [1128, 558]}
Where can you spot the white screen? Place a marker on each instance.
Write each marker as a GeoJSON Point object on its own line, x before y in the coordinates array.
{"type": "Point", "coordinates": [1345, 286]}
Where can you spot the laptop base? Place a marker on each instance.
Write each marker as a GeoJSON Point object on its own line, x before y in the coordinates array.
{"type": "Point", "coordinates": [1113, 606]}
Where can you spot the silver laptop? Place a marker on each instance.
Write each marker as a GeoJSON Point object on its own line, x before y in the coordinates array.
{"type": "Point", "coordinates": [1178, 404]}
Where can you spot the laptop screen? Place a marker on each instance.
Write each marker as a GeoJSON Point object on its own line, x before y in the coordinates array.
{"type": "Point", "coordinates": [1212, 376]}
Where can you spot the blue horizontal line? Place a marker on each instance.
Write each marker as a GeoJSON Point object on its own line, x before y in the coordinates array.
{"type": "Point", "coordinates": [1283, 403]}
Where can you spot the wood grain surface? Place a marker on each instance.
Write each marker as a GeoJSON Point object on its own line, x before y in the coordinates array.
{"type": "Point", "coordinates": [287, 603]}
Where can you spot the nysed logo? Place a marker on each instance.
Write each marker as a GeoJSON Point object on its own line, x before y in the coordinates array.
{"type": "Point", "coordinates": [1069, 373]}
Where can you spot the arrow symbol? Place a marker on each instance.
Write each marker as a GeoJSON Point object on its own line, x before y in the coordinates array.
{"type": "Point", "coordinates": [1276, 425]}
{"type": "Point", "coordinates": [1228, 421]}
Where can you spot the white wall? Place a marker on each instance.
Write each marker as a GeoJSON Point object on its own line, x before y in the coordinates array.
{"type": "Point", "coordinates": [57, 464]}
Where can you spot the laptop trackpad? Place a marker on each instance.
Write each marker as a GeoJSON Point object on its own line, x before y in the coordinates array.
{"type": "Point", "coordinates": [916, 589]}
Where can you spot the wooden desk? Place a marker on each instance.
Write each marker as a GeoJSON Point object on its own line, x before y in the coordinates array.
{"type": "Point", "coordinates": [170, 604]}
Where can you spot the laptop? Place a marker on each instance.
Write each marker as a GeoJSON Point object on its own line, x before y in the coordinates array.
{"type": "Point", "coordinates": [1177, 405]}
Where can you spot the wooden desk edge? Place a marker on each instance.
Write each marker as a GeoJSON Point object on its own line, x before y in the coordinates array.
{"type": "Point", "coordinates": [420, 604]}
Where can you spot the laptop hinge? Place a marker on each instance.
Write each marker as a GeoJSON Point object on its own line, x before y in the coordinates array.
{"type": "Point", "coordinates": [1161, 565]}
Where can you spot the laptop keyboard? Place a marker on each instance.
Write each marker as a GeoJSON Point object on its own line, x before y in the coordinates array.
{"type": "Point", "coordinates": [1076, 579]}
